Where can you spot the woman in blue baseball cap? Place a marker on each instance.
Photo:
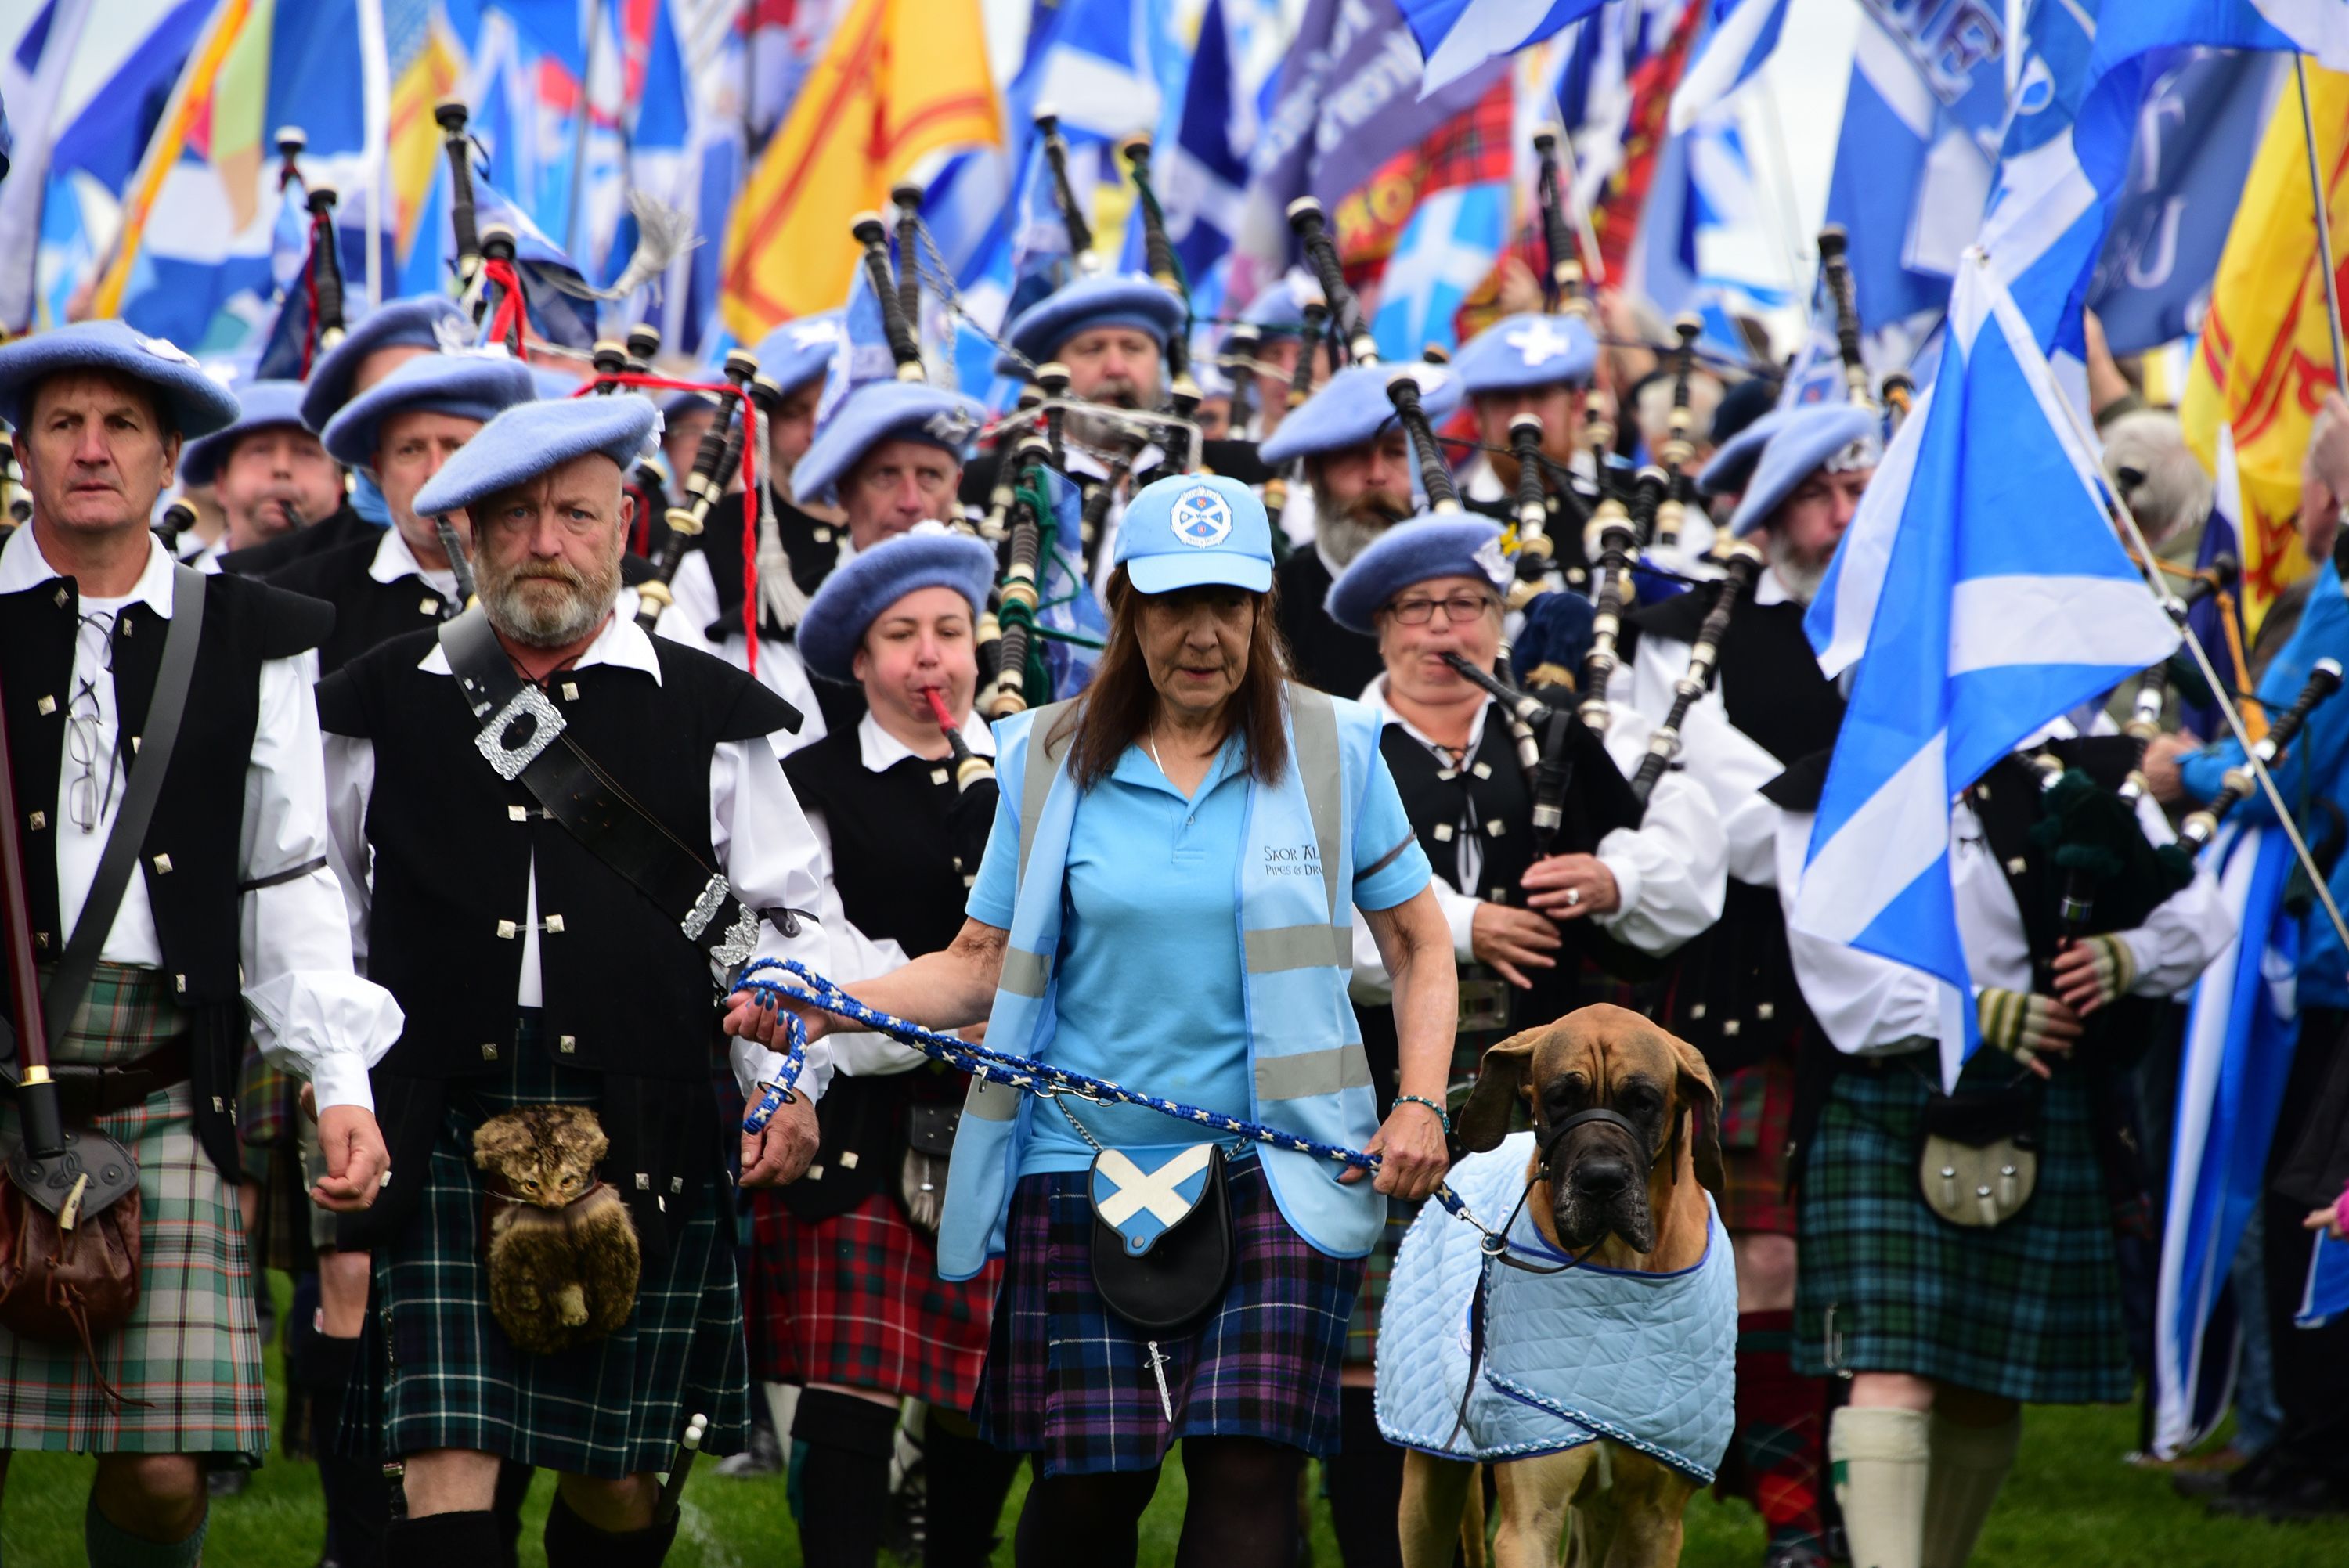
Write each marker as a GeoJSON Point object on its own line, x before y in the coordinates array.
{"type": "Point", "coordinates": [1167, 901]}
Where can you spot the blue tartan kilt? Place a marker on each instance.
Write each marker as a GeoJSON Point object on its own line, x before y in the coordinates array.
{"type": "Point", "coordinates": [439, 1373]}
{"type": "Point", "coordinates": [2028, 1310]}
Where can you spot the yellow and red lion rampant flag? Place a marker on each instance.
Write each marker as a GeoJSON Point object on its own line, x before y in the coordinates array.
{"type": "Point", "coordinates": [900, 79]}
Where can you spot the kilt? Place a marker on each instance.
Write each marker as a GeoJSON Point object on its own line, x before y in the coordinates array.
{"type": "Point", "coordinates": [1362, 1328]}
{"type": "Point", "coordinates": [1070, 1382]}
{"type": "Point", "coordinates": [1757, 1119]}
{"type": "Point", "coordinates": [438, 1372]}
{"type": "Point", "coordinates": [856, 1300]}
{"type": "Point", "coordinates": [270, 1134]}
{"type": "Point", "coordinates": [191, 1350]}
{"type": "Point", "coordinates": [2029, 1310]}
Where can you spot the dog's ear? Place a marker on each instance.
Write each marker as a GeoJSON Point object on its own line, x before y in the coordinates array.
{"type": "Point", "coordinates": [1697, 1094]}
{"type": "Point", "coordinates": [1484, 1121]}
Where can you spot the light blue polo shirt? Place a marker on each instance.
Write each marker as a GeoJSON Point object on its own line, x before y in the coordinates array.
{"type": "Point", "coordinates": [1150, 985]}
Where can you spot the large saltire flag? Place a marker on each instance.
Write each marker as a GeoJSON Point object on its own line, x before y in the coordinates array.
{"type": "Point", "coordinates": [902, 79]}
{"type": "Point", "coordinates": [2265, 358]}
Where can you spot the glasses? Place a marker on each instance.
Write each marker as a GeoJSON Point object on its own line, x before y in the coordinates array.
{"type": "Point", "coordinates": [1459, 607]}
{"type": "Point", "coordinates": [91, 789]}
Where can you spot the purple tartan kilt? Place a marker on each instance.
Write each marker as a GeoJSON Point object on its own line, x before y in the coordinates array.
{"type": "Point", "coordinates": [1071, 1381]}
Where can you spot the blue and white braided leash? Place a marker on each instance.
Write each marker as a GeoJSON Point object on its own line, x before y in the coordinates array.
{"type": "Point", "coordinates": [1023, 1073]}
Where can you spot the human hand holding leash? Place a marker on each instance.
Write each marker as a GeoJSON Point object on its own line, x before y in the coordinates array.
{"type": "Point", "coordinates": [1411, 1153]}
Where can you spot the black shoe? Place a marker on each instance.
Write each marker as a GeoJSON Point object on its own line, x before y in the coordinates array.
{"type": "Point", "coordinates": [2286, 1496]}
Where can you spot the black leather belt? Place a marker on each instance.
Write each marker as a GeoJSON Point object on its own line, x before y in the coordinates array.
{"type": "Point", "coordinates": [87, 1092]}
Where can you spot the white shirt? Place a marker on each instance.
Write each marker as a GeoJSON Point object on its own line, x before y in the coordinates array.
{"type": "Point", "coordinates": [311, 1013]}
{"type": "Point", "coordinates": [1872, 1006]}
{"type": "Point", "coordinates": [1669, 871]}
{"type": "Point", "coordinates": [854, 956]}
{"type": "Point", "coordinates": [693, 606]}
{"type": "Point", "coordinates": [762, 842]}
{"type": "Point", "coordinates": [394, 561]}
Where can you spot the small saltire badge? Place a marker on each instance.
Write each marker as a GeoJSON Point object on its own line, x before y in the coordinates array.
{"type": "Point", "coordinates": [1202, 519]}
{"type": "Point", "coordinates": [1142, 1193]}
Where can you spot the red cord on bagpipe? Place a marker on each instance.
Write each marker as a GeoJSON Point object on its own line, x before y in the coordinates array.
{"type": "Point", "coordinates": [507, 321]}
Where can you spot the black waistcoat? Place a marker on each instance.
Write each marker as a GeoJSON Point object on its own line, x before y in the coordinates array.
{"type": "Point", "coordinates": [812, 544]}
{"type": "Point", "coordinates": [188, 858]}
{"type": "Point", "coordinates": [338, 528]}
{"type": "Point", "coordinates": [455, 848]}
{"type": "Point", "coordinates": [899, 865]}
{"type": "Point", "coordinates": [1321, 653]}
{"type": "Point", "coordinates": [365, 611]}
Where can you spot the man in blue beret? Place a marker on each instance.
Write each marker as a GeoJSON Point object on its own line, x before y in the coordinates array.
{"type": "Point", "coordinates": [1740, 1001]}
{"type": "Point", "coordinates": [382, 340]}
{"type": "Point", "coordinates": [1360, 478]}
{"type": "Point", "coordinates": [268, 470]}
{"type": "Point", "coordinates": [220, 921]}
{"type": "Point", "coordinates": [1539, 365]}
{"type": "Point", "coordinates": [1277, 315]}
{"type": "Point", "coordinates": [562, 839]}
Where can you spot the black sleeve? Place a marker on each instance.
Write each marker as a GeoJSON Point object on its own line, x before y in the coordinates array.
{"type": "Point", "coordinates": [292, 623]}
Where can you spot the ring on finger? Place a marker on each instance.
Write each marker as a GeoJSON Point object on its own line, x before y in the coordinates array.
{"type": "Point", "coordinates": [1573, 897]}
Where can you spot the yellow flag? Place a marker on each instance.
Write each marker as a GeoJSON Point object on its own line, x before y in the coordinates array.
{"type": "Point", "coordinates": [2265, 359]}
{"type": "Point", "coordinates": [900, 79]}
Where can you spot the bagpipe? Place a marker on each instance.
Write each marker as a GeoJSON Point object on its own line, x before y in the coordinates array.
{"type": "Point", "coordinates": [717, 457]}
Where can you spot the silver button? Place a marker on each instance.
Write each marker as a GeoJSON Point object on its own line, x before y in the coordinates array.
{"type": "Point", "coordinates": [179, 984]}
{"type": "Point", "coordinates": [937, 775]}
{"type": "Point", "coordinates": [1442, 832]}
{"type": "Point", "coordinates": [517, 813]}
{"type": "Point", "coordinates": [38, 821]}
{"type": "Point", "coordinates": [1481, 770]}
{"type": "Point", "coordinates": [46, 706]}
{"type": "Point", "coordinates": [1729, 1029]}
{"type": "Point", "coordinates": [1764, 1011]}
{"type": "Point", "coordinates": [428, 606]}
{"type": "Point", "coordinates": [644, 1181]}
{"type": "Point", "coordinates": [571, 691]}
{"type": "Point", "coordinates": [848, 1159]}
{"type": "Point", "coordinates": [554, 926]}
{"type": "Point", "coordinates": [489, 1053]}
{"type": "Point", "coordinates": [506, 929]}
{"type": "Point", "coordinates": [815, 1173]}
{"type": "Point", "coordinates": [163, 865]}
{"type": "Point", "coordinates": [567, 1044]}
{"type": "Point", "coordinates": [2017, 866]}
{"type": "Point", "coordinates": [676, 1183]}
{"type": "Point", "coordinates": [1495, 829]}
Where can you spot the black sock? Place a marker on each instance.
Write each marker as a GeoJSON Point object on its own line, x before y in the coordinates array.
{"type": "Point", "coordinates": [513, 1489]}
{"type": "Point", "coordinates": [1083, 1520]}
{"type": "Point", "coordinates": [465, 1539]}
{"type": "Point", "coordinates": [358, 1500]}
{"type": "Point", "coordinates": [573, 1543]}
{"type": "Point", "coordinates": [1243, 1511]}
{"type": "Point", "coordinates": [844, 1476]}
{"type": "Point", "coordinates": [969, 1479]}
{"type": "Point", "coordinates": [1365, 1486]}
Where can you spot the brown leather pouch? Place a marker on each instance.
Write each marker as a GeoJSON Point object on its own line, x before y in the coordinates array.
{"type": "Point", "coordinates": [70, 1243]}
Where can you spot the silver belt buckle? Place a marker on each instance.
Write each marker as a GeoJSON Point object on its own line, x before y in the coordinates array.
{"type": "Point", "coordinates": [1484, 1004]}
{"type": "Point", "coordinates": [510, 760]}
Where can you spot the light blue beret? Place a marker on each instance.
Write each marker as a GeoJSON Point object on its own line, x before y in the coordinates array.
{"type": "Point", "coordinates": [1279, 310]}
{"type": "Point", "coordinates": [194, 403]}
{"type": "Point", "coordinates": [426, 320]}
{"type": "Point", "coordinates": [466, 386]}
{"type": "Point", "coordinates": [1805, 441]}
{"type": "Point", "coordinates": [1518, 352]}
{"type": "Point", "coordinates": [883, 411]}
{"type": "Point", "coordinates": [261, 406]}
{"type": "Point", "coordinates": [1413, 552]}
{"type": "Point", "coordinates": [545, 383]}
{"type": "Point", "coordinates": [929, 555]}
{"type": "Point", "coordinates": [1353, 407]}
{"type": "Point", "coordinates": [529, 439]}
{"type": "Point", "coordinates": [1102, 299]}
{"type": "Point", "coordinates": [1731, 463]}
{"type": "Point", "coordinates": [1193, 529]}
{"type": "Point", "coordinates": [798, 350]}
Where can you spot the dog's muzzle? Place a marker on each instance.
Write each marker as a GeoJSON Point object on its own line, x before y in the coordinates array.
{"type": "Point", "coordinates": [1552, 1138]}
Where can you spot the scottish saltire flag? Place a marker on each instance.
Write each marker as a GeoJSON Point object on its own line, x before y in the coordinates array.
{"type": "Point", "coordinates": [1449, 247]}
{"type": "Point", "coordinates": [2237, 1055]}
{"type": "Point", "coordinates": [2327, 1295]}
{"type": "Point", "coordinates": [1989, 630]}
{"type": "Point", "coordinates": [1455, 36]}
{"type": "Point", "coordinates": [549, 276]}
{"type": "Point", "coordinates": [1742, 38]}
{"type": "Point", "coordinates": [1203, 169]}
{"type": "Point", "coordinates": [1070, 614]}
{"type": "Point", "coordinates": [862, 354]}
{"type": "Point", "coordinates": [1142, 1193]}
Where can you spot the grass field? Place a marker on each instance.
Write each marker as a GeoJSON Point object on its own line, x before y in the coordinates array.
{"type": "Point", "coordinates": [2071, 1502]}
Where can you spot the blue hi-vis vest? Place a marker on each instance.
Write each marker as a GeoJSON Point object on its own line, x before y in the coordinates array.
{"type": "Point", "coordinates": [1308, 1072]}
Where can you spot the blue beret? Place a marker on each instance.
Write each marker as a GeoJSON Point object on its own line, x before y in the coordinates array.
{"type": "Point", "coordinates": [426, 320]}
{"type": "Point", "coordinates": [1413, 552]}
{"type": "Point", "coordinates": [1807, 439]}
{"type": "Point", "coordinates": [467, 385]}
{"type": "Point", "coordinates": [800, 350]}
{"type": "Point", "coordinates": [1353, 407]}
{"type": "Point", "coordinates": [261, 406]}
{"type": "Point", "coordinates": [930, 555]}
{"type": "Point", "coordinates": [1102, 299]}
{"type": "Point", "coordinates": [1518, 352]}
{"type": "Point", "coordinates": [545, 383]}
{"type": "Point", "coordinates": [529, 439]}
{"type": "Point", "coordinates": [1192, 530]}
{"type": "Point", "coordinates": [194, 403]}
{"type": "Point", "coordinates": [882, 411]}
{"type": "Point", "coordinates": [1558, 629]}
{"type": "Point", "coordinates": [1278, 310]}
{"type": "Point", "coordinates": [1731, 463]}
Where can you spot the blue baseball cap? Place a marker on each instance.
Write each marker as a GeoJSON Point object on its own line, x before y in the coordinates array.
{"type": "Point", "coordinates": [1193, 530]}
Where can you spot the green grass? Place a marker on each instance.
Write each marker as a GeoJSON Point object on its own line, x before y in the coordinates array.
{"type": "Point", "coordinates": [2071, 1501]}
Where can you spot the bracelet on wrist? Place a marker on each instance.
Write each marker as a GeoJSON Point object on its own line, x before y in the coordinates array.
{"type": "Point", "coordinates": [1442, 1115]}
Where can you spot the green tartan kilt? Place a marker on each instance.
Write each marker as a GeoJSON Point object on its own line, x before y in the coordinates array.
{"type": "Point", "coordinates": [188, 1364]}
{"type": "Point", "coordinates": [441, 1374]}
{"type": "Point", "coordinates": [2028, 1310]}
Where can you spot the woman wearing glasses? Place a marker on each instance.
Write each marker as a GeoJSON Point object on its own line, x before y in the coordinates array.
{"type": "Point", "coordinates": [1521, 925]}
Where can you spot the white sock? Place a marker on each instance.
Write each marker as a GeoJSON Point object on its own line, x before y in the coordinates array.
{"type": "Point", "coordinates": [1879, 1458]}
{"type": "Point", "coordinates": [1969, 1464]}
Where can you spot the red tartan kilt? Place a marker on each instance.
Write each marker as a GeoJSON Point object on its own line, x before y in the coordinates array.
{"type": "Point", "coordinates": [856, 1300]}
{"type": "Point", "coordinates": [1757, 1118]}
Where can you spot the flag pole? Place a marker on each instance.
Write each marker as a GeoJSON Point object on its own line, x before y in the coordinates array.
{"type": "Point", "coordinates": [2175, 608]}
{"type": "Point", "coordinates": [2324, 232]}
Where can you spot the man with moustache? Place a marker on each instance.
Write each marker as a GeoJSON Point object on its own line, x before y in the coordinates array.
{"type": "Point", "coordinates": [562, 839]}
{"type": "Point", "coordinates": [1361, 476]}
{"type": "Point", "coordinates": [269, 472]}
{"type": "Point", "coordinates": [1538, 364]}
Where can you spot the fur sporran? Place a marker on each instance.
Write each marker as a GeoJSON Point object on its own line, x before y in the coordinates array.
{"type": "Point", "coordinates": [922, 1177]}
{"type": "Point", "coordinates": [563, 1254]}
{"type": "Point", "coordinates": [1978, 1161]}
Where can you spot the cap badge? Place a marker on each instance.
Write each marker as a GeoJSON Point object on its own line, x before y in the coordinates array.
{"type": "Point", "coordinates": [451, 332]}
{"type": "Point", "coordinates": [815, 332]}
{"type": "Point", "coordinates": [1538, 343]}
{"type": "Point", "coordinates": [1495, 564]}
{"type": "Point", "coordinates": [162, 348]}
{"type": "Point", "coordinates": [950, 425]}
{"type": "Point", "coordinates": [1202, 518]}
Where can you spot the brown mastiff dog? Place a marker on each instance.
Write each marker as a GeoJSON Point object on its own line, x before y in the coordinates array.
{"type": "Point", "coordinates": [1628, 1188]}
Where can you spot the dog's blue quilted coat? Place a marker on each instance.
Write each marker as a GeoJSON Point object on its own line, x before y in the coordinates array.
{"type": "Point", "coordinates": [1646, 1360]}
